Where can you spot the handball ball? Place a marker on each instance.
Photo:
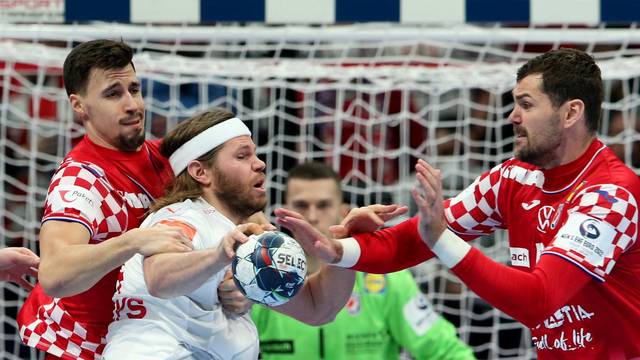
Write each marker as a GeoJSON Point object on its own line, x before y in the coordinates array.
{"type": "Point", "coordinates": [269, 268]}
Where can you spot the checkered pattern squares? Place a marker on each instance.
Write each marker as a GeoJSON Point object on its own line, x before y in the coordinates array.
{"type": "Point", "coordinates": [474, 211]}
{"type": "Point", "coordinates": [613, 212]}
{"type": "Point", "coordinates": [79, 192]}
{"type": "Point", "coordinates": [55, 332]}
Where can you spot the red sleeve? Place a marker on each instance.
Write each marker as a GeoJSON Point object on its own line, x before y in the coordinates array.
{"type": "Point", "coordinates": [529, 297]}
{"type": "Point", "coordinates": [392, 249]}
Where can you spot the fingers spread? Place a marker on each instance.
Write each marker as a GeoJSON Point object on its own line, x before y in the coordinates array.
{"type": "Point", "coordinates": [339, 231]}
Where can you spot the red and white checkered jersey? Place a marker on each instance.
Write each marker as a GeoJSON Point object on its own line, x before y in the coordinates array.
{"type": "Point", "coordinates": [195, 320]}
{"type": "Point", "coordinates": [585, 212]}
{"type": "Point", "coordinates": [108, 192]}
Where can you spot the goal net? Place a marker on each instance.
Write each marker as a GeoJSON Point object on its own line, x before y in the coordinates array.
{"type": "Point", "coordinates": [366, 99]}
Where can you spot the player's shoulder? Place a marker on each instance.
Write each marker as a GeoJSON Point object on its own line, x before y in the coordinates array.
{"type": "Point", "coordinates": [70, 165]}
{"type": "Point", "coordinates": [612, 170]}
{"type": "Point", "coordinates": [196, 213]}
{"type": "Point", "coordinates": [184, 211]}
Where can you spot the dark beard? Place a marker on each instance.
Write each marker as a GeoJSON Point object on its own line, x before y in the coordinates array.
{"type": "Point", "coordinates": [238, 202]}
{"type": "Point", "coordinates": [542, 153]}
{"type": "Point", "coordinates": [131, 143]}
{"type": "Point", "coordinates": [536, 156]}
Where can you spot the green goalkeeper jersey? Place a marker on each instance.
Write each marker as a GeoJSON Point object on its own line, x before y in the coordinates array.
{"type": "Point", "coordinates": [384, 314]}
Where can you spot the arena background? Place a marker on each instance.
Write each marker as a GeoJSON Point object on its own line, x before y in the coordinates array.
{"type": "Point", "coordinates": [367, 87]}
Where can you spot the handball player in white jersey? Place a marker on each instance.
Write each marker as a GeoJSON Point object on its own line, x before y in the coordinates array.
{"type": "Point", "coordinates": [166, 305]}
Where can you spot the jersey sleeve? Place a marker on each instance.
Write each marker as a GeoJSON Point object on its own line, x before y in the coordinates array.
{"type": "Point", "coordinates": [76, 193]}
{"type": "Point", "coordinates": [193, 228]}
{"type": "Point", "coordinates": [474, 212]}
{"type": "Point", "coordinates": [601, 224]}
{"type": "Point", "coordinates": [415, 325]}
{"type": "Point", "coordinates": [527, 297]}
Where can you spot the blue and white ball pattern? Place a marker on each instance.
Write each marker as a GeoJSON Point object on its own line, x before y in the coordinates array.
{"type": "Point", "coordinates": [270, 268]}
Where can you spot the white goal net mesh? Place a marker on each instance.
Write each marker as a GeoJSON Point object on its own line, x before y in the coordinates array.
{"type": "Point", "coordinates": [368, 100]}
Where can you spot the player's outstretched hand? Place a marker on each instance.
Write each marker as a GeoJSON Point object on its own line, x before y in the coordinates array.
{"type": "Point", "coordinates": [160, 238]}
{"type": "Point", "coordinates": [16, 262]}
{"type": "Point", "coordinates": [428, 197]}
{"type": "Point", "coordinates": [311, 240]}
{"type": "Point", "coordinates": [366, 219]}
{"type": "Point", "coordinates": [231, 297]}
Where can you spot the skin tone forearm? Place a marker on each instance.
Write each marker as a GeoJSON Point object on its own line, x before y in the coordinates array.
{"type": "Point", "coordinates": [171, 275]}
{"type": "Point", "coordinates": [175, 274]}
{"type": "Point", "coordinates": [323, 295]}
{"type": "Point", "coordinates": [70, 265]}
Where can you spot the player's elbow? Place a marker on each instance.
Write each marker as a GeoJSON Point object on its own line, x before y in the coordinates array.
{"type": "Point", "coordinates": [324, 320]}
{"type": "Point", "coordinates": [53, 285]}
{"type": "Point", "coordinates": [319, 318]}
{"type": "Point", "coordinates": [156, 289]}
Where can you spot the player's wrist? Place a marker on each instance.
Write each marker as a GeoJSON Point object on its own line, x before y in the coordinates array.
{"type": "Point", "coordinates": [348, 253]}
{"type": "Point", "coordinates": [450, 248]}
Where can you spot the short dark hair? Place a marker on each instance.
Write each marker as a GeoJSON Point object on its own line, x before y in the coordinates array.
{"type": "Point", "coordinates": [95, 54]}
{"type": "Point", "coordinates": [569, 74]}
{"type": "Point", "coordinates": [313, 171]}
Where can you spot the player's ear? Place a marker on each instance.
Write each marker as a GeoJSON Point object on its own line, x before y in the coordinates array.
{"type": "Point", "coordinates": [574, 112]}
{"type": "Point", "coordinates": [199, 172]}
{"type": "Point", "coordinates": [78, 107]}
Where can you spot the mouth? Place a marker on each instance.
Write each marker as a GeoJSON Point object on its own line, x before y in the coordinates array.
{"type": "Point", "coordinates": [132, 121]}
{"type": "Point", "coordinates": [259, 185]}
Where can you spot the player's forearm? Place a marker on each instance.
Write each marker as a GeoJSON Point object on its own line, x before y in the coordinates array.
{"type": "Point", "coordinates": [71, 269]}
{"type": "Point", "coordinates": [174, 274]}
{"type": "Point", "coordinates": [529, 297]}
{"type": "Point", "coordinates": [323, 295]}
{"type": "Point", "coordinates": [391, 249]}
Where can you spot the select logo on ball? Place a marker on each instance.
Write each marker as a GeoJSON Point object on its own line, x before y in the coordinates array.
{"type": "Point", "coordinates": [270, 268]}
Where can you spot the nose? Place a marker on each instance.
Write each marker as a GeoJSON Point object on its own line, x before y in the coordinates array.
{"type": "Point", "coordinates": [132, 103]}
{"type": "Point", "coordinates": [312, 215]}
{"type": "Point", "coordinates": [259, 165]}
{"type": "Point", "coordinates": [515, 116]}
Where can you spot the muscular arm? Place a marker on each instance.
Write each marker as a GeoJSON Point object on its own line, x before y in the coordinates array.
{"type": "Point", "coordinates": [323, 295]}
{"type": "Point", "coordinates": [471, 213]}
{"type": "Point", "coordinates": [528, 297]}
{"type": "Point", "coordinates": [70, 265]}
{"type": "Point", "coordinates": [175, 274]}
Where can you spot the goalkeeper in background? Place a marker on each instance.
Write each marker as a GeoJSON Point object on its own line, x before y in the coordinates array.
{"type": "Point", "coordinates": [384, 313]}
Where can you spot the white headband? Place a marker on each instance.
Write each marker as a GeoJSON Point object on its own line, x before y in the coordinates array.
{"type": "Point", "coordinates": [205, 142]}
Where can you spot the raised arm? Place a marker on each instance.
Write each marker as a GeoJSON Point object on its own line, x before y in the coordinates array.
{"type": "Point", "coordinates": [528, 297]}
{"type": "Point", "coordinates": [381, 251]}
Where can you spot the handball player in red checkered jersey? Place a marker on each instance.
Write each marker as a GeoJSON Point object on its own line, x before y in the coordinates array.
{"type": "Point", "coordinates": [570, 207]}
{"type": "Point", "coordinates": [96, 200]}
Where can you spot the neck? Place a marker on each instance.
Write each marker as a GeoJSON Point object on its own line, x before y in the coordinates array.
{"type": "Point", "coordinates": [569, 151]}
{"type": "Point", "coordinates": [223, 208]}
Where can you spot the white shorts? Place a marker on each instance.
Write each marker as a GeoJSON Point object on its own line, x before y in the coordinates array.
{"type": "Point", "coordinates": [150, 341]}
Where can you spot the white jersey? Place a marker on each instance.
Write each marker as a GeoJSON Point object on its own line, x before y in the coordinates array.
{"type": "Point", "coordinates": [192, 326]}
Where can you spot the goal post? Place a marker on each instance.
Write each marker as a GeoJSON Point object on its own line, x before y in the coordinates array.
{"type": "Point", "coordinates": [366, 99]}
